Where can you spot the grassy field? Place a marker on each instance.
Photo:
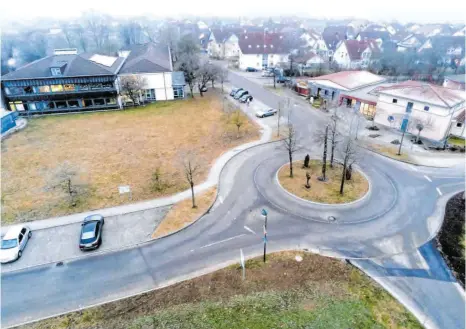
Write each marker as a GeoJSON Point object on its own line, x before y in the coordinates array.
{"type": "Point", "coordinates": [183, 213]}
{"type": "Point", "coordinates": [317, 292]}
{"type": "Point", "coordinates": [325, 192]}
{"type": "Point", "coordinates": [109, 149]}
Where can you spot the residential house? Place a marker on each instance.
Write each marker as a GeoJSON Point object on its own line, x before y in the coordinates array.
{"type": "Point", "coordinates": [448, 47]}
{"type": "Point", "coordinates": [310, 60]}
{"type": "Point", "coordinates": [430, 30]}
{"type": "Point", "coordinates": [353, 54]}
{"type": "Point", "coordinates": [379, 36]}
{"type": "Point", "coordinates": [411, 43]}
{"type": "Point", "coordinates": [262, 50]}
{"type": "Point", "coordinates": [419, 102]}
{"type": "Point", "coordinates": [458, 127]}
{"type": "Point", "coordinates": [461, 32]}
{"type": "Point", "coordinates": [223, 43]}
{"type": "Point", "coordinates": [333, 35]}
{"type": "Point", "coordinates": [152, 62]}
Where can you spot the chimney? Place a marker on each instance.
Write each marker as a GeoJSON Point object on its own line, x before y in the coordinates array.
{"type": "Point", "coordinates": [65, 51]}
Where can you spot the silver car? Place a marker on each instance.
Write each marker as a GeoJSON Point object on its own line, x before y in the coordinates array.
{"type": "Point", "coordinates": [14, 242]}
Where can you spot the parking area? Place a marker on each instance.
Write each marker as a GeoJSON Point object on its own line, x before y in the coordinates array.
{"type": "Point", "coordinates": [61, 242]}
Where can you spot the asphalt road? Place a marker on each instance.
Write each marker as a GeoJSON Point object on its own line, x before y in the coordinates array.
{"type": "Point", "coordinates": [402, 213]}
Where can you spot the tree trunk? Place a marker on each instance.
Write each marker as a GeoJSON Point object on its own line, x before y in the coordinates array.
{"type": "Point", "coordinates": [324, 158]}
{"type": "Point", "coordinates": [192, 195]}
{"type": "Point", "coordinates": [222, 87]}
{"type": "Point", "coordinates": [191, 87]}
{"type": "Point", "coordinates": [274, 81]}
{"type": "Point", "coordinates": [291, 163]}
{"type": "Point", "coordinates": [349, 172]}
{"type": "Point", "coordinates": [333, 152]}
{"type": "Point", "coordinates": [200, 91]}
{"type": "Point", "coordinates": [237, 132]}
{"type": "Point", "coordinates": [343, 174]}
{"type": "Point", "coordinates": [213, 84]}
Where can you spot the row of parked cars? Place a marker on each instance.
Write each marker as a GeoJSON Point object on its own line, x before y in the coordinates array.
{"type": "Point", "coordinates": [16, 238]}
{"type": "Point", "coordinates": [241, 94]}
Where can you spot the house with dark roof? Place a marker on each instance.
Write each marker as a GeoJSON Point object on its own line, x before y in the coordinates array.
{"type": "Point", "coordinates": [412, 42]}
{"type": "Point", "coordinates": [333, 35]}
{"type": "Point", "coordinates": [449, 47]}
{"type": "Point", "coordinates": [262, 50]}
{"type": "Point", "coordinates": [223, 43]}
{"type": "Point", "coordinates": [354, 54]}
{"type": "Point", "coordinates": [152, 63]}
{"type": "Point", "coordinates": [69, 82]}
{"type": "Point", "coordinates": [434, 106]}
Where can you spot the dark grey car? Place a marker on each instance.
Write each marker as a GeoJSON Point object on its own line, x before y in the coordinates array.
{"type": "Point", "coordinates": [91, 232]}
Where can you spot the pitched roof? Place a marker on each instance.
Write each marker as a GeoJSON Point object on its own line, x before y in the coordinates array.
{"type": "Point", "coordinates": [355, 48]}
{"type": "Point", "coordinates": [351, 80]}
{"type": "Point", "coordinates": [443, 42]}
{"type": "Point", "coordinates": [426, 92]}
{"type": "Point", "coordinates": [263, 43]}
{"type": "Point", "coordinates": [74, 65]}
{"type": "Point", "coordinates": [384, 35]}
{"type": "Point", "coordinates": [222, 34]}
{"type": "Point", "coordinates": [332, 35]}
{"type": "Point", "coordinates": [460, 117]}
{"type": "Point", "coordinates": [147, 58]}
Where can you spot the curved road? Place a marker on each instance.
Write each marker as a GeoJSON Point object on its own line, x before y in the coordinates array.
{"type": "Point", "coordinates": [402, 213]}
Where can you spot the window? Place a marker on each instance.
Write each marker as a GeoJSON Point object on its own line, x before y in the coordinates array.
{"type": "Point", "coordinates": [459, 124]}
{"type": "Point", "coordinates": [44, 89]}
{"type": "Point", "coordinates": [70, 88]}
{"type": "Point", "coordinates": [73, 104]}
{"type": "Point", "coordinates": [426, 108]}
{"type": "Point", "coordinates": [28, 90]}
{"type": "Point", "coordinates": [150, 94]}
{"type": "Point", "coordinates": [409, 107]}
{"type": "Point", "coordinates": [99, 102]}
{"type": "Point", "coordinates": [19, 106]}
{"type": "Point", "coordinates": [84, 87]}
{"type": "Point", "coordinates": [326, 92]}
{"type": "Point", "coordinates": [87, 102]}
{"type": "Point", "coordinates": [20, 237]}
{"type": "Point", "coordinates": [394, 100]}
{"type": "Point", "coordinates": [7, 91]}
{"type": "Point", "coordinates": [107, 85]}
{"type": "Point", "coordinates": [32, 106]}
{"type": "Point", "coordinates": [110, 101]}
{"type": "Point", "coordinates": [61, 104]}
{"type": "Point", "coordinates": [96, 86]}
{"type": "Point", "coordinates": [56, 88]}
{"type": "Point", "coordinates": [56, 71]}
{"type": "Point", "coordinates": [178, 92]}
{"type": "Point", "coordinates": [12, 106]}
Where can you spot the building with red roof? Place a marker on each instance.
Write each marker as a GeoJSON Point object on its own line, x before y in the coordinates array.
{"type": "Point", "coordinates": [356, 54]}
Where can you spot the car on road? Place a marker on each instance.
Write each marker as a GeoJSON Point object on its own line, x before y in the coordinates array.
{"type": "Point", "coordinates": [246, 98]}
{"type": "Point", "coordinates": [234, 91]}
{"type": "Point", "coordinates": [282, 79]}
{"type": "Point", "coordinates": [266, 113]}
{"type": "Point", "coordinates": [251, 69]}
{"type": "Point", "coordinates": [267, 73]}
{"type": "Point", "coordinates": [14, 242]}
{"type": "Point", "coordinates": [240, 94]}
{"type": "Point", "coordinates": [91, 232]}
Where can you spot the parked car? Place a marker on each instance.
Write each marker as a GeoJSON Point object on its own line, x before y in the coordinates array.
{"type": "Point", "coordinates": [91, 232]}
{"type": "Point", "coordinates": [234, 91]}
{"type": "Point", "coordinates": [245, 98]}
{"type": "Point", "coordinates": [14, 242]}
{"type": "Point", "coordinates": [240, 94]}
{"type": "Point", "coordinates": [282, 79]}
{"type": "Point", "coordinates": [251, 69]}
{"type": "Point", "coordinates": [267, 73]}
{"type": "Point", "coordinates": [266, 113]}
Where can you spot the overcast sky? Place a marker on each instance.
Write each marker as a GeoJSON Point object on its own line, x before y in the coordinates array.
{"type": "Point", "coordinates": [402, 10]}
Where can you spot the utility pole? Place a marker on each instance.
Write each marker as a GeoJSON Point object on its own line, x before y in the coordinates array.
{"type": "Point", "coordinates": [264, 213]}
{"type": "Point", "coordinates": [404, 124]}
{"type": "Point", "coordinates": [278, 119]}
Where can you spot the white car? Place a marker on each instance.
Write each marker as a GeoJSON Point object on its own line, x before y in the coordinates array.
{"type": "Point", "coordinates": [14, 242]}
{"type": "Point", "coordinates": [266, 113]}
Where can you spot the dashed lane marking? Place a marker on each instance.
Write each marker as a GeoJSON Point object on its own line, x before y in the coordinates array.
{"type": "Point", "coordinates": [221, 241]}
{"type": "Point", "coordinates": [427, 177]}
{"type": "Point", "coordinates": [439, 192]}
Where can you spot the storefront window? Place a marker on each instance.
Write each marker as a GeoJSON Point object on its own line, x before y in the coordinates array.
{"type": "Point", "coordinates": [96, 86]}
{"type": "Point", "coordinates": [19, 106]}
{"type": "Point", "coordinates": [12, 106]}
{"type": "Point", "coordinates": [56, 88]}
{"type": "Point", "coordinates": [44, 89]}
{"type": "Point", "coordinates": [32, 106]}
{"type": "Point", "coordinates": [73, 104]}
{"type": "Point", "coordinates": [49, 105]}
{"type": "Point", "coordinates": [87, 102]}
{"type": "Point", "coordinates": [178, 92]}
{"type": "Point", "coordinates": [60, 104]}
{"type": "Point", "coordinates": [110, 101]}
{"type": "Point", "coordinates": [70, 88]}
{"type": "Point", "coordinates": [28, 90]}
{"type": "Point", "coordinates": [107, 85]}
{"type": "Point", "coordinates": [84, 87]}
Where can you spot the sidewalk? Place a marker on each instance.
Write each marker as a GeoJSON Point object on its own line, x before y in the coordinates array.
{"type": "Point", "coordinates": [212, 180]}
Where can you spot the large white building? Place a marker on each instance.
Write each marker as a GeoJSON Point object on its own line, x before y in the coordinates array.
{"type": "Point", "coordinates": [153, 63]}
{"type": "Point", "coordinates": [223, 43]}
{"type": "Point", "coordinates": [435, 107]}
{"type": "Point", "coordinates": [261, 50]}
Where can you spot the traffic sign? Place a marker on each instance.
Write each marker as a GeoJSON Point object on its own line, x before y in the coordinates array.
{"type": "Point", "coordinates": [242, 258]}
{"type": "Point", "coordinates": [264, 212]}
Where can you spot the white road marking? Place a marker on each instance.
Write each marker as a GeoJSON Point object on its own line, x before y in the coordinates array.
{"type": "Point", "coordinates": [248, 229]}
{"type": "Point", "coordinates": [439, 192]}
{"type": "Point", "coordinates": [217, 242]}
{"type": "Point", "coordinates": [220, 199]}
{"type": "Point", "coordinates": [414, 168]}
{"type": "Point", "coordinates": [427, 177]}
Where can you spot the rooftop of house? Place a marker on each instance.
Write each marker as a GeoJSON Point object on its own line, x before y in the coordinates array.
{"type": "Point", "coordinates": [332, 35]}
{"type": "Point", "coordinates": [71, 65]}
{"type": "Point", "coordinates": [460, 78]}
{"type": "Point", "coordinates": [147, 58]}
{"type": "Point", "coordinates": [222, 34]}
{"type": "Point", "coordinates": [263, 43]}
{"type": "Point", "coordinates": [355, 48]}
{"type": "Point", "coordinates": [427, 93]}
{"type": "Point", "coordinates": [384, 35]}
{"type": "Point", "coordinates": [368, 94]}
{"type": "Point", "coordinates": [349, 80]}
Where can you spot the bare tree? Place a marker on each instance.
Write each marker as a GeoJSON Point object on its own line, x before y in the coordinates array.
{"type": "Point", "coordinates": [222, 76]}
{"type": "Point", "coordinates": [96, 24]}
{"type": "Point", "coordinates": [204, 74]}
{"type": "Point", "coordinates": [238, 120]}
{"type": "Point", "coordinates": [349, 155]}
{"type": "Point", "coordinates": [64, 178]}
{"type": "Point", "coordinates": [81, 35]}
{"type": "Point", "coordinates": [323, 137]}
{"type": "Point", "coordinates": [131, 86]}
{"type": "Point", "coordinates": [68, 33]}
{"type": "Point", "coordinates": [291, 145]}
{"type": "Point", "coordinates": [190, 167]}
{"type": "Point", "coordinates": [333, 137]}
{"type": "Point", "coordinates": [169, 35]}
{"type": "Point", "coordinates": [130, 33]}
{"type": "Point", "coordinates": [188, 61]}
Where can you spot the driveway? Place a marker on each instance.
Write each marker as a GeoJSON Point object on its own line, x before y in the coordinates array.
{"type": "Point", "coordinates": [57, 243]}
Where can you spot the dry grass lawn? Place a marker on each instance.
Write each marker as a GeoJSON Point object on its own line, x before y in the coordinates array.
{"type": "Point", "coordinates": [183, 213]}
{"type": "Point", "coordinates": [325, 192]}
{"type": "Point", "coordinates": [109, 149]}
{"type": "Point", "coordinates": [391, 152]}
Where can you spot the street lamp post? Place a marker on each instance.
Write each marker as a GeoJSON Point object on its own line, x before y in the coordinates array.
{"type": "Point", "coordinates": [264, 213]}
